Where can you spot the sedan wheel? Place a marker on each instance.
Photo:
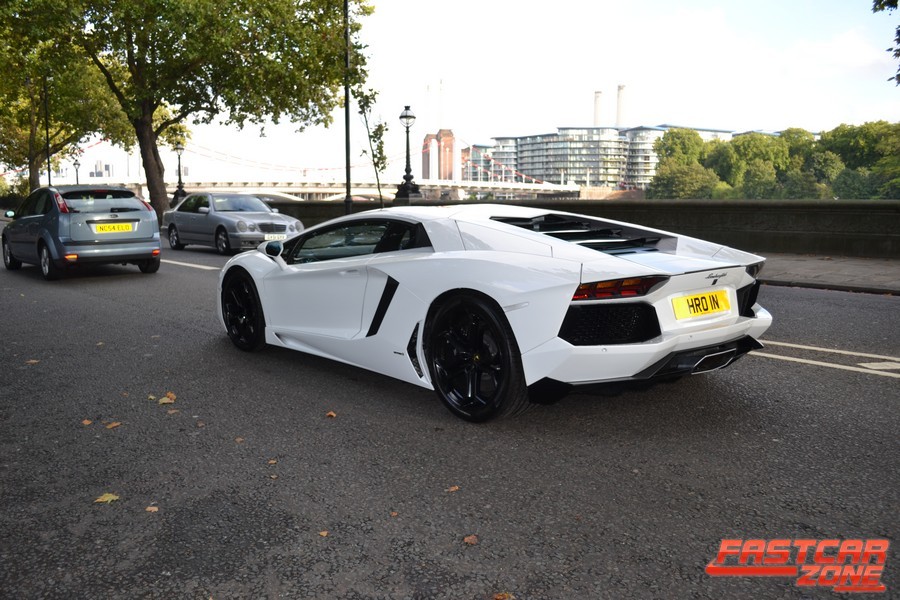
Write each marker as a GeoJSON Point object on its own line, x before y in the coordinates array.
{"type": "Point", "coordinates": [222, 245]}
{"type": "Point", "coordinates": [474, 361]}
{"type": "Point", "coordinates": [174, 240]}
{"type": "Point", "coordinates": [242, 312]}
{"type": "Point", "coordinates": [48, 267]}
{"type": "Point", "coordinates": [10, 261]}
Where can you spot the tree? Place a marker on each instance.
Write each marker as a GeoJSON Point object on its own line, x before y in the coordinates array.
{"type": "Point", "coordinates": [801, 184]}
{"type": "Point", "coordinates": [365, 100]}
{"type": "Point", "coordinates": [759, 146]}
{"type": "Point", "coordinates": [864, 145]}
{"type": "Point", "coordinates": [724, 161]}
{"type": "Point", "coordinates": [677, 180]}
{"type": "Point", "coordinates": [760, 180]}
{"type": "Point", "coordinates": [250, 60]}
{"type": "Point", "coordinates": [800, 144]}
{"type": "Point", "coordinates": [824, 166]}
{"type": "Point", "coordinates": [854, 184]}
{"type": "Point", "coordinates": [890, 5]}
{"type": "Point", "coordinates": [683, 146]}
{"type": "Point", "coordinates": [46, 92]}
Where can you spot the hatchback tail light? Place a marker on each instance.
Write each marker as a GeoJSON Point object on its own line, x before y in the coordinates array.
{"type": "Point", "coordinates": [618, 288]}
{"type": "Point", "coordinates": [60, 203]}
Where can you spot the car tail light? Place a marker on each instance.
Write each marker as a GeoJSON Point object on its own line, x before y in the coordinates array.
{"type": "Point", "coordinates": [60, 203]}
{"type": "Point", "coordinates": [156, 252]}
{"type": "Point", "coordinates": [147, 205]}
{"type": "Point", "coordinates": [618, 288]}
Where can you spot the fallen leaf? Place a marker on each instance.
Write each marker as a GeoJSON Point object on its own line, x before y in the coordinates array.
{"type": "Point", "coordinates": [152, 509]}
{"type": "Point", "coordinates": [171, 395]}
{"type": "Point", "coordinates": [124, 394]}
{"type": "Point", "coordinates": [99, 343]}
{"type": "Point", "coordinates": [239, 440]}
{"type": "Point", "coordinates": [106, 498]}
{"type": "Point", "coordinates": [452, 488]}
{"type": "Point", "coordinates": [151, 397]}
{"type": "Point", "coordinates": [86, 422]}
{"type": "Point", "coordinates": [504, 596]}
{"type": "Point", "coordinates": [113, 425]}
{"type": "Point", "coordinates": [201, 424]}
{"type": "Point", "coordinates": [172, 411]}
{"type": "Point", "coordinates": [273, 476]}
{"type": "Point", "coordinates": [166, 400]}
{"type": "Point", "coordinates": [394, 513]}
{"type": "Point", "coordinates": [272, 461]}
{"type": "Point", "coordinates": [471, 539]}
{"type": "Point", "coordinates": [32, 362]}
{"type": "Point", "coordinates": [323, 533]}
{"type": "Point", "coordinates": [331, 414]}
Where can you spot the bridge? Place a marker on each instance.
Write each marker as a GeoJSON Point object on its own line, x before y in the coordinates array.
{"type": "Point", "coordinates": [431, 189]}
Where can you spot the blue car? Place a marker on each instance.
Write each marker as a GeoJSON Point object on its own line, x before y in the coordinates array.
{"type": "Point", "coordinates": [63, 226]}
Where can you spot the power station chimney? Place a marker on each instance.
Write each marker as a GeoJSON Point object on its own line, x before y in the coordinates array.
{"type": "Point", "coordinates": [597, 112]}
{"type": "Point", "coordinates": [620, 109]}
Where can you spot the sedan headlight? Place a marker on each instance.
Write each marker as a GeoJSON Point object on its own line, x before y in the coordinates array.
{"type": "Point", "coordinates": [242, 226]}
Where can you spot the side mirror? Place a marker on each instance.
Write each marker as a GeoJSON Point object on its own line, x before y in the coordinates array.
{"type": "Point", "coordinates": [203, 210]}
{"type": "Point", "coordinates": [10, 214]}
{"type": "Point", "coordinates": [274, 210]}
{"type": "Point", "coordinates": [273, 249]}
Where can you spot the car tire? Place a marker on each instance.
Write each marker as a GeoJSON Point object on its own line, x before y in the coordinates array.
{"type": "Point", "coordinates": [150, 265]}
{"type": "Point", "coordinates": [474, 360]}
{"type": "Point", "coordinates": [10, 261]}
{"type": "Point", "coordinates": [175, 239]}
{"type": "Point", "coordinates": [242, 312]}
{"type": "Point", "coordinates": [49, 269]}
{"type": "Point", "coordinates": [223, 246]}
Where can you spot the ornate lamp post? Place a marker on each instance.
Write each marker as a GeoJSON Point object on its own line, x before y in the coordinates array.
{"type": "Point", "coordinates": [407, 189]}
{"type": "Point", "coordinates": [179, 191]}
{"type": "Point", "coordinates": [76, 164]}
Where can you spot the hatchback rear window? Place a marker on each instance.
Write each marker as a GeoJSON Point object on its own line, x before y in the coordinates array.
{"type": "Point", "coordinates": [102, 201]}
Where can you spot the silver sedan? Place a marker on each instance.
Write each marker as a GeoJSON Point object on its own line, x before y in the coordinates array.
{"type": "Point", "coordinates": [229, 222]}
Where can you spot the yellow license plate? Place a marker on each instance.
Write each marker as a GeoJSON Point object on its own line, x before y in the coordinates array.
{"type": "Point", "coordinates": [112, 227]}
{"type": "Point", "coordinates": [269, 237]}
{"type": "Point", "coordinates": [698, 305]}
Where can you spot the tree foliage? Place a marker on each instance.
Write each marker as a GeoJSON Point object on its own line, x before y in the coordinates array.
{"type": "Point", "coordinates": [682, 146]}
{"type": "Point", "coordinates": [676, 179]}
{"type": "Point", "coordinates": [890, 5]}
{"type": "Point", "coordinates": [247, 60]}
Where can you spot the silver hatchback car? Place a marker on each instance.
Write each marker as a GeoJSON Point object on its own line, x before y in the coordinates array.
{"type": "Point", "coordinates": [63, 226]}
{"type": "Point", "coordinates": [230, 222]}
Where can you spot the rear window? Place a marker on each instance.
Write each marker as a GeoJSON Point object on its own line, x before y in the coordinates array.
{"type": "Point", "coordinates": [102, 201]}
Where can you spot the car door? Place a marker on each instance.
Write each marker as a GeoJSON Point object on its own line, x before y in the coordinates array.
{"type": "Point", "coordinates": [23, 233]}
{"type": "Point", "coordinates": [186, 218]}
{"type": "Point", "coordinates": [322, 290]}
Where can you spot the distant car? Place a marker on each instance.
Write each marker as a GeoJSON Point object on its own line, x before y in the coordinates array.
{"type": "Point", "coordinates": [63, 226]}
{"type": "Point", "coordinates": [227, 221]}
{"type": "Point", "coordinates": [495, 305]}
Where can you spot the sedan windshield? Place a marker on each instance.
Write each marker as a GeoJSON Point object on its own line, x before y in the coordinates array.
{"type": "Point", "coordinates": [240, 203]}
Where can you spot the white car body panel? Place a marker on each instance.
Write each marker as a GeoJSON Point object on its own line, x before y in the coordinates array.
{"type": "Point", "coordinates": [330, 308]}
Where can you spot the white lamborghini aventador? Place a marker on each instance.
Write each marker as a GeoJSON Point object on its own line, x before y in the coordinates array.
{"type": "Point", "coordinates": [493, 306]}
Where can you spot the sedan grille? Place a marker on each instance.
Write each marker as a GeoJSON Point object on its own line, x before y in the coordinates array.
{"type": "Point", "coordinates": [272, 227]}
{"type": "Point", "coordinates": [604, 324]}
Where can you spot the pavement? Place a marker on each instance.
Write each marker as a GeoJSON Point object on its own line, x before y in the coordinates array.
{"type": "Point", "coordinates": [851, 274]}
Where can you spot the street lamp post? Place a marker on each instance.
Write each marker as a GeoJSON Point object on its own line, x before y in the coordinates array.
{"type": "Point", "coordinates": [407, 189]}
{"type": "Point", "coordinates": [179, 191]}
{"type": "Point", "coordinates": [76, 164]}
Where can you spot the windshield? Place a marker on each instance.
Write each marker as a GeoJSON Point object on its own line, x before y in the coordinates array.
{"type": "Point", "coordinates": [240, 203]}
{"type": "Point", "coordinates": [102, 201]}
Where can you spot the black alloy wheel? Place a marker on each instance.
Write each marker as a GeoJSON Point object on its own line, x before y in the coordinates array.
{"type": "Point", "coordinates": [174, 240]}
{"type": "Point", "coordinates": [242, 312]}
{"type": "Point", "coordinates": [222, 244]}
{"type": "Point", "coordinates": [48, 267]}
{"type": "Point", "coordinates": [474, 361]}
{"type": "Point", "coordinates": [10, 261]}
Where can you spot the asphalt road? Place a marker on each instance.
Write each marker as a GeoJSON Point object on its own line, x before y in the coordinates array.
{"type": "Point", "coordinates": [599, 496]}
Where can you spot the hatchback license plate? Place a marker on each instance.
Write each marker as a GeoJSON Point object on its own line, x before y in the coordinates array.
{"type": "Point", "coordinates": [112, 227]}
{"type": "Point", "coordinates": [272, 237]}
{"type": "Point", "coordinates": [698, 305]}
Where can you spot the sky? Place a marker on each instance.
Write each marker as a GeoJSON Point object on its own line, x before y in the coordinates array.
{"type": "Point", "coordinates": [495, 68]}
